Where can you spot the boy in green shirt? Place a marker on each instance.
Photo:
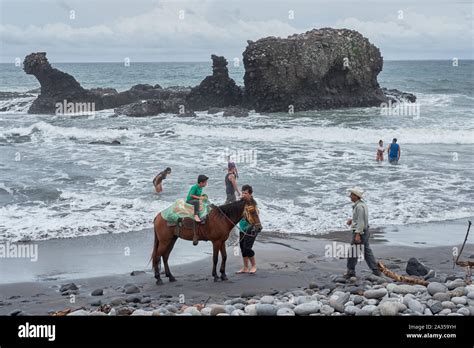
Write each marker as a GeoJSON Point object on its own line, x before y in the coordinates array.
{"type": "Point", "coordinates": [195, 195]}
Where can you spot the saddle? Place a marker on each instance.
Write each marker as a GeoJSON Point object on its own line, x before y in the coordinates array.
{"type": "Point", "coordinates": [186, 222]}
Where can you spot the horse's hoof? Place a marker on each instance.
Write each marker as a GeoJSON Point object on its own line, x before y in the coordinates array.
{"type": "Point", "coordinates": [216, 279]}
{"type": "Point", "coordinates": [159, 282]}
{"type": "Point", "coordinates": [172, 279]}
{"type": "Point", "coordinates": [224, 277]}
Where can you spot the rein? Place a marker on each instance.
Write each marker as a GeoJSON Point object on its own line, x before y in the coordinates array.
{"type": "Point", "coordinates": [235, 225]}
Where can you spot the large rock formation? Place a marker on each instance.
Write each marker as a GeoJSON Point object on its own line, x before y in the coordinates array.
{"type": "Point", "coordinates": [325, 68]}
{"type": "Point", "coordinates": [60, 87]}
{"type": "Point", "coordinates": [217, 90]}
{"type": "Point", "coordinates": [56, 86]}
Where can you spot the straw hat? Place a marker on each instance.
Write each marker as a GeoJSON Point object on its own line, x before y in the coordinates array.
{"type": "Point", "coordinates": [357, 191]}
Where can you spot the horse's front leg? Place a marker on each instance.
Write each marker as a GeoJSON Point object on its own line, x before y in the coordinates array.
{"type": "Point", "coordinates": [224, 259]}
{"type": "Point", "coordinates": [215, 259]}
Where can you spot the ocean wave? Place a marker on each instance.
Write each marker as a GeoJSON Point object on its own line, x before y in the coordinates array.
{"type": "Point", "coordinates": [358, 135]}
{"type": "Point", "coordinates": [16, 105]}
{"type": "Point", "coordinates": [76, 214]}
{"type": "Point", "coordinates": [47, 132]}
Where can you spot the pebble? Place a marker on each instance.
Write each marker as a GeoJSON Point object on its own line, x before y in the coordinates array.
{"type": "Point", "coordinates": [267, 300]}
{"type": "Point", "coordinates": [351, 310]}
{"type": "Point", "coordinates": [389, 308]}
{"type": "Point", "coordinates": [131, 289]}
{"type": "Point", "coordinates": [369, 309]}
{"type": "Point", "coordinates": [441, 296]}
{"type": "Point", "coordinates": [237, 312]}
{"type": "Point", "coordinates": [285, 312]}
{"type": "Point", "coordinates": [307, 308]}
{"type": "Point", "coordinates": [69, 286]}
{"type": "Point", "coordinates": [193, 311]}
{"type": "Point", "coordinates": [448, 304]}
{"type": "Point", "coordinates": [455, 284]}
{"type": "Point", "coordinates": [434, 288]}
{"type": "Point", "coordinates": [217, 309]}
{"type": "Point", "coordinates": [445, 311]}
{"type": "Point", "coordinates": [337, 301]}
{"type": "Point", "coordinates": [459, 300]}
{"type": "Point", "coordinates": [326, 310]}
{"type": "Point", "coordinates": [375, 294]}
{"type": "Point", "coordinates": [403, 289]}
{"type": "Point", "coordinates": [97, 292]}
{"type": "Point", "coordinates": [251, 309]}
{"type": "Point", "coordinates": [464, 311]}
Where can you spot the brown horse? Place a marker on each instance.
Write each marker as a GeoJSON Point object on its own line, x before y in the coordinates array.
{"type": "Point", "coordinates": [216, 229]}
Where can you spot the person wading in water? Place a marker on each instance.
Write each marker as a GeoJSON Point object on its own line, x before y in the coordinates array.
{"type": "Point", "coordinates": [231, 183]}
{"type": "Point", "coordinates": [393, 151]}
{"type": "Point", "coordinates": [157, 181]}
{"type": "Point", "coordinates": [380, 151]}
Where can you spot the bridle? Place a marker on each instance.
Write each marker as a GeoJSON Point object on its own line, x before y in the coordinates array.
{"type": "Point", "coordinates": [248, 217]}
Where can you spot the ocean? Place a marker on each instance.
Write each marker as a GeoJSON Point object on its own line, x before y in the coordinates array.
{"type": "Point", "coordinates": [55, 184]}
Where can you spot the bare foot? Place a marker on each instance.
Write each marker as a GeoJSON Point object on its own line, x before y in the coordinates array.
{"type": "Point", "coordinates": [243, 270]}
{"type": "Point", "coordinates": [253, 269]}
{"type": "Point", "coordinates": [196, 218]}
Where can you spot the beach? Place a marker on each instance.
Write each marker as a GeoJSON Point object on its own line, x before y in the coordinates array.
{"type": "Point", "coordinates": [287, 264]}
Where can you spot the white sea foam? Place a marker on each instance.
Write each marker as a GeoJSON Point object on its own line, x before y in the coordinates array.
{"type": "Point", "coordinates": [47, 132]}
{"type": "Point", "coordinates": [358, 135]}
{"type": "Point", "coordinates": [16, 105]}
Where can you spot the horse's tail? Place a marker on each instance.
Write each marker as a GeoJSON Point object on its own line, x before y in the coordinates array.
{"type": "Point", "coordinates": [154, 254]}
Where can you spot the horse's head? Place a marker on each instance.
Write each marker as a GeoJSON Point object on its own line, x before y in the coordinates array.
{"type": "Point", "coordinates": [251, 215]}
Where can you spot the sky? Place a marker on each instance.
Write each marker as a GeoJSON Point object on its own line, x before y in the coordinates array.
{"type": "Point", "coordinates": [189, 30]}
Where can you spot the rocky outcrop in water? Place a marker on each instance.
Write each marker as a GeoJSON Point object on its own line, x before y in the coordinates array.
{"type": "Point", "coordinates": [217, 90]}
{"type": "Point", "coordinates": [56, 86]}
{"type": "Point", "coordinates": [319, 69]}
{"type": "Point", "coordinates": [60, 87]}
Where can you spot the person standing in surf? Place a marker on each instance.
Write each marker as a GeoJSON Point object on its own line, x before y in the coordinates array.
{"type": "Point", "coordinates": [231, 183]}
{"type": "Point", "coordinates": [380, 151]}
{"type": "Point", "coordinates": [157, 181]}
{"type": "Point", "coordinates": [393, 151]}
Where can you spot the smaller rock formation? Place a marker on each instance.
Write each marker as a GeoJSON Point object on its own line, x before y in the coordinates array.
{"type": "Point", "coordinates": [217, 90]}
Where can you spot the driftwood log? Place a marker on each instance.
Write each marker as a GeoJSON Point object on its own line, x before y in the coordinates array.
{"type": "Point", "coordinates": [400, 278]}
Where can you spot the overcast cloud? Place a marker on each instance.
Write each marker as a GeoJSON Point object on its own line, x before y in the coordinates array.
{"type": "Point", "coordinates": [146, 30]}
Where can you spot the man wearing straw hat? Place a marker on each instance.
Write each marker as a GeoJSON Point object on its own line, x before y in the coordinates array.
{"type": "Point", "coordinates": [359, 225]}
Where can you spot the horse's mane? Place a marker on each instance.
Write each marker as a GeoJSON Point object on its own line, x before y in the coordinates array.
{"type": "Point", "coordinates": [234, 209]}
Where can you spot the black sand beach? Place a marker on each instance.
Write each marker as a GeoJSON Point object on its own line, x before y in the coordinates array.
{"type": "Point", "coordinates": [286, 262]}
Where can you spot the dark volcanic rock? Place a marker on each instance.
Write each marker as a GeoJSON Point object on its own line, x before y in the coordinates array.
{"type": "Point", "coordinates": [60, 87]}
{"type": "Point", "coordinates": [414, 267]}
{"type": "Point", "coordinates": [398, 96]}
{"type": "Point", "coordinates": [102, 142]}
{"type": "Point", "coordinates": [154, 107]}
{"type": "Point", "coordinates": [325, 68]}
{"type": "Point", "coordinates": [217, 90]}
{"type": "Point", "coordinates": [229, 111]}
{"type": "Point", "coordinates": [56, 86]}
{"type": "Point", "coordinates": [104, 91]}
